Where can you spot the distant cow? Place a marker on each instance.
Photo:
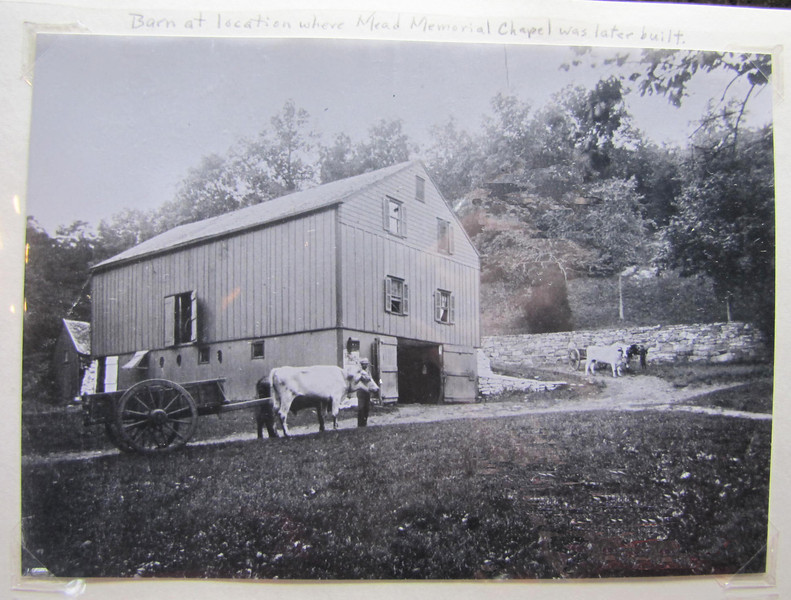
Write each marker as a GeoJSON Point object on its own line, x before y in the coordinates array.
{"type": "Point", "coordinates": [614, 355]}
{"type": "Point", "coordinates": [321, 387]}
{"type": "Point", "coordinates": [637, 350]}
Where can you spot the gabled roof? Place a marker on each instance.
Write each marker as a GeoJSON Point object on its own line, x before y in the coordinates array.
{"type": "Point", "coordinates": [80, 333]}
{"type": "Point", "coordinates": [284, 207]}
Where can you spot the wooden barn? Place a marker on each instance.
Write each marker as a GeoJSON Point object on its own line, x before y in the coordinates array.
{"type": "Point", "coordinates": [71, 357]}
{"type": "Point", "coordinates": [375, 266]}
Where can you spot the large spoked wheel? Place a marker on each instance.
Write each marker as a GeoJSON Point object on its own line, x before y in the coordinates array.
{"type": "Point", "coordinates": [111, 429]}
{"type": "Point", "coordinates": [574, 358]}
{"type": "Point", "coordinates": [156, 415]}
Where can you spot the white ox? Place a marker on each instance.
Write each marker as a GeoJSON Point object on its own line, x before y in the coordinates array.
{"type": "Point", "coordinates": [614, 355]}
{"type": "Point", "coordinates": [319, 387]}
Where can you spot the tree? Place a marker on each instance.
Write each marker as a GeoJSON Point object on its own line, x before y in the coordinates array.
{"type": "Point", "coordinates": [668, 72]}
{"type": "Point", "coordinates": [274, 163]}
{"type": "Point", "coordinates": [609, 220]}
{"type": "Point", "coordinates": [337, 161]}
{"type": "Point", "coordinates": [453, 159]}
{"type": "Point", "coordinates": [56, 287]}
{"type": "Point", "coordinates": [657, 171]}
{"type": "Point", "coordinates": [208, 190]}
{"type": "Point", "coordinates": [283, 154]}
{"type": "Point", "coordinates": [508, 141]}
{"type": "Point", "coordinates": [724, 226]}
{"type": "Point", "coordinates": [567, 143]}
{"type": "Point", "coordinates": [387, 144]}
{"type": "Point", "coordinates": [125, 229]}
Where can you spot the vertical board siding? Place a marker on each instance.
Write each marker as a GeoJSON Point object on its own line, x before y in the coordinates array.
{"type": "Point", "coordinates": [424, 274]}
{"type": "Point", "coordinates": [281, 278]}
{"type": "Point", "coordinates": [371, 254]}
{"type": "Point", "coordinates": [255, 284]}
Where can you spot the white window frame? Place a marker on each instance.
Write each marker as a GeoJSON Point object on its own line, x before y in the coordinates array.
{"type": "Point", "coordinates": [394, 216]}
{"type": "Point", "coordinates": [444, 307]}
{"type": "Point", "coordinates": [396, 296]}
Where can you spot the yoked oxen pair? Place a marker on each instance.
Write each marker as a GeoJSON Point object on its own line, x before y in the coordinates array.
{"type": "Point", "coordinates": [321, 387]}
{"type": "Point", "coordinates": [614, 355]}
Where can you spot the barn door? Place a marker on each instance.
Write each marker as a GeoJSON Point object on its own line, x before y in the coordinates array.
{"type": "Point", "coordinates": [460, 378]}
{"type": "Point", "coordinates": [386, 359]}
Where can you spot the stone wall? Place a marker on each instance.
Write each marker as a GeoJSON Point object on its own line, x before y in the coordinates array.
{"type": "Point", "coordinates": [709, 342]}
{"type": "Point", "coordinates": [490, 383]}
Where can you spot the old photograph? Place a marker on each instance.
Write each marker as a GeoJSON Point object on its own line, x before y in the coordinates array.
{"type": "Point", "coordinates": [338, 309]}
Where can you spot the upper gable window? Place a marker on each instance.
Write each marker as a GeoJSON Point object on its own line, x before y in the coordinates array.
{"type": "Point", "coordinates": [444, 236]}
{"type": "Point", "coordinates": [395, 217]}
{"type": "Point", "coordinates": [420, 188]}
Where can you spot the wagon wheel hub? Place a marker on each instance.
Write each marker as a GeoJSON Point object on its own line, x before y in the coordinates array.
{"type": "Point", "coordinates": [158, 416]}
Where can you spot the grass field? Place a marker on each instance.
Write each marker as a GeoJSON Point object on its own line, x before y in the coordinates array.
{"type": "Point", "coordinates": [573, 495]}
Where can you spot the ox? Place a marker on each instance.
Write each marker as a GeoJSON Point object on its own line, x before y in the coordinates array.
{"type": "Point", "coordinates": [321, 387]}
{"type": "Point", "coordinates": [614, 355]}
{"type": "Point", "coordinates": [637, 350]}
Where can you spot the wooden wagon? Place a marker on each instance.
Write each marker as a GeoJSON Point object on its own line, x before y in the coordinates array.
{"type": "Point", "coordinates": [576, 357]}
{"type": "Point", "coordinates": [158, 414]}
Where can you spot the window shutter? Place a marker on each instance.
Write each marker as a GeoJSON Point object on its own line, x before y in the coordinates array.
{"type": "Point", "coordinates": [450, 238]}
{"type": "Point", "coordinates": [452, 308]}
{"type": "Point", "coordinates": [437, 306]}
{"type": "Point", "coordinates": [386, 213]}
{"type": "Point", "coordinates": [403, 221]}
{"type": "Point", "coordinates": [405, 300]}
{"type": "Point", "coordinates": [170, 321]}
{"type": "Point", "coordinates": [193, 317]}
{"type": "Point", "coordinates": [388, 294]}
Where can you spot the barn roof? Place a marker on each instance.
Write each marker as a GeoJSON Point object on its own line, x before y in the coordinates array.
{"type": "Point", "coordinates": [284, 207]}
{"type": "Point", "coordinates": [80, 333]}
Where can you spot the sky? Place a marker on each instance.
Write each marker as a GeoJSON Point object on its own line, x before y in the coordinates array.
{"type": "Point", "coordinates": [118, 121]}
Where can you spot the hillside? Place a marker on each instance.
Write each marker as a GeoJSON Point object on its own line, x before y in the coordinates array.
{"type": "Point", "coordinates": [533, 284]}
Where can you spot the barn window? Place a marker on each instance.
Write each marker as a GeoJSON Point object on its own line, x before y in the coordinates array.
{"type": "Point", "coordinates": [257, 349]}
{"type": "Point", "coordinates": [395, 217]}
{"type": "Point", "coordinates": [444, 236]}
{"type": "Point", "coordinates": [444, 307]}
{"type": "Point", "coordinates": [420, 188]}
{"type": "Point", "coordinates": [181, 319]}
{"type": "Point", "coordinates": [204, 355]}
{"type": "Point", "coordinates": [396, 296]}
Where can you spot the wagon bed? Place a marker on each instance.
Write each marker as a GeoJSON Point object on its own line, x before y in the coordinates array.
{"type": "Point", "coordinates": [158, 414]}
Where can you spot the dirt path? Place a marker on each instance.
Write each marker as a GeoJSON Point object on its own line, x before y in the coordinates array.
{"type": "Point", "coordinates": [630, 393]}
{"type": "Point", "coordinates": [622, 394]}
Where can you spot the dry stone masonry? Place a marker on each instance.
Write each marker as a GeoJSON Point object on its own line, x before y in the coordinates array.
{"type": "Point", "coordinates": [491, 383]}
{"type": "Point", "coordinates": [709, 342]}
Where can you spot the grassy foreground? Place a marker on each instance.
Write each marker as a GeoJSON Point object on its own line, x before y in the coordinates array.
{"type": "Point", "coordinates": [538, 496]}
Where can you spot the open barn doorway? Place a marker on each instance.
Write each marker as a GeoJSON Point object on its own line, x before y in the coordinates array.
{"type": "Point", "coordinates": [419, 372]}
